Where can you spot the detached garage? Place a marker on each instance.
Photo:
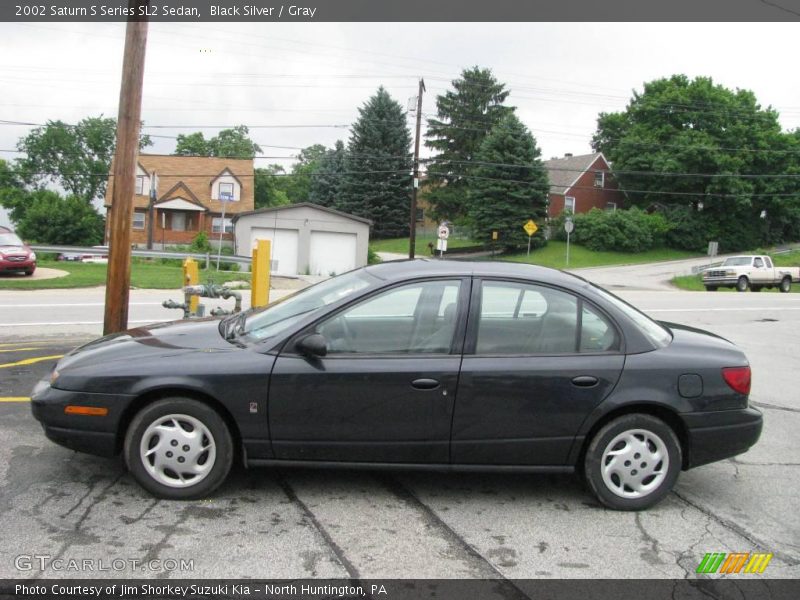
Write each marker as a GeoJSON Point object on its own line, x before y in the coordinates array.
{"type": "Point", "coordinates": [306, 238]}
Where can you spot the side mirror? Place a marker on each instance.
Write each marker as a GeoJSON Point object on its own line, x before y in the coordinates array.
{"type": "Point", "coordinates": [313, 345]}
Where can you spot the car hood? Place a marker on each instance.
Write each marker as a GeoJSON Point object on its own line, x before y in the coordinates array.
{"type": "Point", "coordinates": [159, 340]}
{"type": "Point", "coordinates": [14, 249]}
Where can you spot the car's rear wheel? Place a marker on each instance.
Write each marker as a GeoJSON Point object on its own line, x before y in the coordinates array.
{"type": "Point", "coordinates": [178, 449]}
{"type": "Point", "coordinates": [633, 462]}
{"type": "Point", "coordinates": [786, 285]}
{"type": "Point", "coordinates": [742, 284]}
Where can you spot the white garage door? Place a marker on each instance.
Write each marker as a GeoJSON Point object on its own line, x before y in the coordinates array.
{"type": "Point", "coordinates": [284, 247]}
{"type": "Point", "coordinates": [332, 253]}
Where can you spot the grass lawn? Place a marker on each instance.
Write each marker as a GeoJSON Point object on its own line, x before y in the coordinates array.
{"type": "Point", "coordinates": [143, 276]}
{"type": "Point", "coordinates": [694, 283]}
{"type": "Point", "coordinates": [400, 245]}
{"type": "Point", "coordinates": [554, 255]}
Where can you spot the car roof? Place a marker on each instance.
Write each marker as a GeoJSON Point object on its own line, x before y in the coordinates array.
{"type": "Point", "coordinates": [421, 267]}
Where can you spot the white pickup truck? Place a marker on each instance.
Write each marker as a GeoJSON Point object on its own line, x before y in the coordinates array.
{"type": "Point", "coordinates": [750, 272]}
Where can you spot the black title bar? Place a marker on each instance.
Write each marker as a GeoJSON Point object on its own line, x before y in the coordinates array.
{"type": "Point", "coordinates": [269, 11]}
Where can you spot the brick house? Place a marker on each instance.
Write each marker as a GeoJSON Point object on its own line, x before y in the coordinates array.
{"type": "Point", "coordinates": [187, 197]}
{"type": "Point", "coordinates": [580, 183]}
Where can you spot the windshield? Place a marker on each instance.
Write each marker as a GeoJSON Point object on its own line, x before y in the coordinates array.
{"type": "Point", "coordinates": [737, 261]}
{"type": "Point", "coordinates": [10, 239]}
{"type": "Point", "coordinates": [655, 332]}
{"type": "Point", "coordinates": [277, 317]}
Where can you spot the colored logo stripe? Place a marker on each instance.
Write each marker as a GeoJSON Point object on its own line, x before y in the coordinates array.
{"type": "Point", "coordinates": [734, 562]}
{"type": "Point", "coordinates": [758, 563]}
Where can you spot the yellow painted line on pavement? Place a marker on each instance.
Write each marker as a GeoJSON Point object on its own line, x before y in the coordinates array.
{"type": "Point", "coordinates": [30, 361]}
{"type": "Point", "coordinates": [15, 399]}
{"type": "Point", "coordinates": [18, 349]}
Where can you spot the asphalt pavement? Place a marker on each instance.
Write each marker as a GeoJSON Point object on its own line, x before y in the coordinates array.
{"type": "Point", "coordinates": [281, 523]}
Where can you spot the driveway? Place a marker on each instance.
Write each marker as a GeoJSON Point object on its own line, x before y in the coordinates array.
{"type": "Point", "coordinates": [652, 276]}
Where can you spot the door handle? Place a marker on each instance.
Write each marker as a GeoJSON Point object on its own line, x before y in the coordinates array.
{"type": "Point", "coordinates": [585, 381]}
{"type": "Point", "coordinates": [425, 384]}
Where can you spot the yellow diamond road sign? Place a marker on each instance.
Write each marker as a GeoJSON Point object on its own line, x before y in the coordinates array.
{"type": "Point", "coordinates": [530, 227]}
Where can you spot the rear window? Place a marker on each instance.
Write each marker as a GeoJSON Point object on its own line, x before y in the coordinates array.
{"type": "Point", "coordinates": [652, 330]}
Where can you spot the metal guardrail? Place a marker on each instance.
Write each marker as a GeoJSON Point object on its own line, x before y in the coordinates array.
{"type": "Point", "coordinates": [700, 268]}
{"type": "Point", "coordinates": [242, 260]}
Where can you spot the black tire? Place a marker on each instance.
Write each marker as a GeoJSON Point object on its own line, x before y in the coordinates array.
{"type": "Point", "coordinates": [28, 273]}
{"type": "Point", "coordinates": [786, 285]}
{"type": "Point", "coordinates": [186, 413]}
{"type": "Point", "coordinates": [649, 431]}
{"type": "Point", "coordinates": [711, 288]}
{"type": "Point", "coordinates": [742, 284]}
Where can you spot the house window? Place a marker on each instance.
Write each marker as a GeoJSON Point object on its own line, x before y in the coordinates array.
{"type": "Point", "coordinates": [569, 203]}
{"type": "Point", "coordinates": [140, 185]}
{"type": "Point", "coordinates": [226, 190]}
{"type": "Point", "coordinates": [216, 225]}
{"type": "Point", "coordinates": [178, 221]}
{"type": "Point", "coordinates": [612, 206]}
{"type": "Point", "coordinates": [599, 179]}
{"type": "Point", "coordinates": [138, 220]}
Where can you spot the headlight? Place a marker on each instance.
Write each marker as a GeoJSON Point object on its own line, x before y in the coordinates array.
{"type": "Point", "coordinates": [53, 377]}
{"type": "Point", "coordinates": [42, 386]}
{"type": "Point", "coordinates": [33, 255]}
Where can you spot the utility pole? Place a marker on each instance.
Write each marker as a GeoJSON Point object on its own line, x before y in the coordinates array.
{"type": "Point", "coordinates": [118, 276]}
{"type": "Point", "coordinates": [412, 235]}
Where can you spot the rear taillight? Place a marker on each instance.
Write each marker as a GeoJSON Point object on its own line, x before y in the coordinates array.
{"type": "Point", "coordinates": [738, 378]}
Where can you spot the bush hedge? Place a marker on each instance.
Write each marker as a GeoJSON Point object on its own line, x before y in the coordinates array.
{"type": "Point", "coordinates": [630, 230]}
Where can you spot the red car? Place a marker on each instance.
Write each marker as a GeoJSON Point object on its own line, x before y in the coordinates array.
{"type": "Point", "coordinates": [14, 254]}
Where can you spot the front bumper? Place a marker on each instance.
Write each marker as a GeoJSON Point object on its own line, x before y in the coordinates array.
{"type": "Point", "coordinates": [720, 281]}
{"type": "Point", "coordinates": [82, 433]}
{"type": "Point", "coordinates": [721, 434]}
{"type": "Point", "coordinates": [14, 265]}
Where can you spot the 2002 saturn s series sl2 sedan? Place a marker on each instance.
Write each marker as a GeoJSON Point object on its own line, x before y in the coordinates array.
{"type": "Point", "coordinates": [415, 364]}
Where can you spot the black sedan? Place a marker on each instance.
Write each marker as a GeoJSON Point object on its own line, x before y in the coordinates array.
{"type": "Point", "coordinates": [415, 364]}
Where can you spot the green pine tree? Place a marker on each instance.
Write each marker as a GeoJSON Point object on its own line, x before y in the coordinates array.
{"type": "Point", "coordinates": [508, 185]}
{"type": "Point", "coordinates": [377, 182]}
{"type": "Point", "coordinates": [327, 179]}
{"type": "Point", "coordinates": [464, 118]}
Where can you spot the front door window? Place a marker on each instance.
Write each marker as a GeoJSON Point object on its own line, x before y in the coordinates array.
{"type": "Point", "coordinates": [417, 318]}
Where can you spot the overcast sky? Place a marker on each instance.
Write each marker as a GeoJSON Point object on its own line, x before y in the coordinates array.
{"type": "Point", "coordinates": [309, 79]}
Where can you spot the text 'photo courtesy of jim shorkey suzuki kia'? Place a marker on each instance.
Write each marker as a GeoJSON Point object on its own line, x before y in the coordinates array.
{"type": "Point", "coordinates": [419, 364]}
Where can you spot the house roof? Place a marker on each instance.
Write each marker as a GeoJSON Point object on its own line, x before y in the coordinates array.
{"type": "Point", "coordinates": [332, 211]}
{"type": "Point", "coordinates": [564, 172]}
{"type": "Point", "coordinates": [196, 173]}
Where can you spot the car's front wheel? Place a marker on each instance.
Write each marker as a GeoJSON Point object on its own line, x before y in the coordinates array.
{"type": "Point", "coordinates": [786, 285]}
{"type": "Point", "coordinates": [742, 284]}
{"type": "Point", "coordinates": [178, 449]}
{"type": "Point", "coordinates": [633, 462]}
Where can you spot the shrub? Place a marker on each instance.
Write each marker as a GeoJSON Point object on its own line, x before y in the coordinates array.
{"type": "Point", "coordinates": [200, 244]}
{"type": "Point", "coordinates": [620, 230]}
